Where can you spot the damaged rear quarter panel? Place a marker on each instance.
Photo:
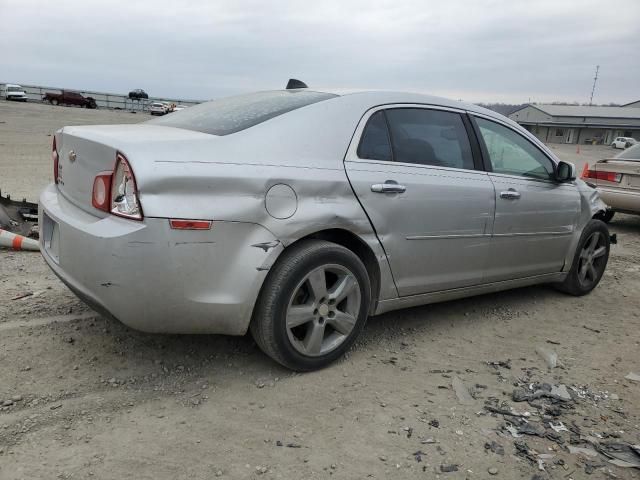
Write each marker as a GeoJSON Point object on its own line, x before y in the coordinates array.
{"type": "Point", "coordinates": [227, 178]}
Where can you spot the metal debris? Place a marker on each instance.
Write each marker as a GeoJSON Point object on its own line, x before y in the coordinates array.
{"type": "Point", "coordinates": [621, 454]}
{"type": "Point", "coordinates": [500, 363]}
{"type": "Point", "coordinates": [560, 392]}
{"type": "Point", "coordinates": [495, 447]}
{"type": "Point", "coordinates": [559, 427]}
{"type": "Point", "coordinates": [589, 452]}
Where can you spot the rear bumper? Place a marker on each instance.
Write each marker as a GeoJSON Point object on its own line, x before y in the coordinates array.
{"type": "Point", "coordinates": [622, 200]}
{"type": "Point", "coordinates": [153, 278]}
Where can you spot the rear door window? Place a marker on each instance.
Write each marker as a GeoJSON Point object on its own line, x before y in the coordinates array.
{"type": "Point", "coordinates": [429, 137]}
{"type": "Point", "coordinates": [233, 114]}
{"type": "Point", "coordinates": [375, 143]}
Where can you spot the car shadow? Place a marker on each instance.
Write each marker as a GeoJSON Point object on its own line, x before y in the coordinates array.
{"type": "Point", "coordinates": [623, 224]}
{"type": "Point", "coordinates": [220, 357]}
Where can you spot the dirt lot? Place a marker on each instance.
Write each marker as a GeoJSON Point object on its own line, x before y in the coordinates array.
{"type": "Point", "coordinates": [84, 397]}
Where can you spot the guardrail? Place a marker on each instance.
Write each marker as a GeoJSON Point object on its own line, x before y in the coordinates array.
{"type": "Point", "coordinates": [103, 100]}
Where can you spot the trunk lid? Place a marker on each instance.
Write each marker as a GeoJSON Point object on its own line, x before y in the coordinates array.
{"type": "Point", "coordinates": [629, 170]}
{"type": "Point", "coordinates": [85, 152]}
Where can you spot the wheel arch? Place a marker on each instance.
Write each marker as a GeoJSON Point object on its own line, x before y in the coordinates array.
{"type": "Point", "coordinates": [358, 246]}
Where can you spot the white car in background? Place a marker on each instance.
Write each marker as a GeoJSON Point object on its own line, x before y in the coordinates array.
{"type": "Point", "coordinates": [15, 92]}
{"type": "Point", "coordinates": [623, 142]}
{"type": "Point", "coordinates": [158, 108]}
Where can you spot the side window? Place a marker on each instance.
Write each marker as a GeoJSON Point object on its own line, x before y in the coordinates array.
{"type": "Point", "coordinates": [512, 154]}
{"type": "Point", "coordinates": [375, 144]}
{"type": "Point", "coordinates": [429, 137]}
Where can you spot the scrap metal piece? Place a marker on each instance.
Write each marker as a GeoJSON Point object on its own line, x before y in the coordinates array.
{"type": "Point", "coordinates": [18, 216]}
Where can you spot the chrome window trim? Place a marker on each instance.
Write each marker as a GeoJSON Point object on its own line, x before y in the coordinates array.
{"type": "Point", "coordinates": [539, 180]}
{"type": "Point", "coordinates": [352, 150]}
{"type": "Point", "coordinates": [417, 165]}
{"type": "Point", "coordinates": [536, 143]}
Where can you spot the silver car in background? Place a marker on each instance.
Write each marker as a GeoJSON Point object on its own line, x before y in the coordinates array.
{"type": "Point", "coordinates": [296, 214]}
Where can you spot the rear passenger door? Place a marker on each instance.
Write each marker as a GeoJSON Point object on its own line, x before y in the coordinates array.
{"type": "Point", "coordinates": [416, 174]}
{"type": "Point", "coordinates": [536, 216]}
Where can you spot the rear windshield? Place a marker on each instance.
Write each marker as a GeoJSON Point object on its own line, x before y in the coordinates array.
{"type": "Point", "coordinates": [233, 114]}
{"type": "Point", "coordinates": [631, 153]}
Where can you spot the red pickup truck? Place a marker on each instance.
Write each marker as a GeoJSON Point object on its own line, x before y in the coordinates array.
{"type": "Point", "coordinates": [69, 98]}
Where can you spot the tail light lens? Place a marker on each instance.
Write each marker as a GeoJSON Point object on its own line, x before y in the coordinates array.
{"type": "Point", "coordinates": [601, 175]}
{"type": "Point", "coordinates": [124, 192]}
{"type": "Point", "coordinates": [101, 196]}
{"type": "Point", "coordinates": [54, 157]}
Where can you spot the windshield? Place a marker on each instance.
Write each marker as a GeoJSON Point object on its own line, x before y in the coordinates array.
{"type": "Point", "coordinates": [631, 153]}
{"type": "Point", "coordinates": [14, 89]}
{"type": "Point", "coordinates": [233, 114]}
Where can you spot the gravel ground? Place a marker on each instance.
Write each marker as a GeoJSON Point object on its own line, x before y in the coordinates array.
{"type": "Point", "coordinates": [85, 397]}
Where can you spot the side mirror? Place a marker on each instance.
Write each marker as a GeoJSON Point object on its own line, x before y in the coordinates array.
{"type": "Point", "coordinates": [565, 172]}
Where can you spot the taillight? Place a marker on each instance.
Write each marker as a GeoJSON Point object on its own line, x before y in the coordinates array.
{"type": "Point", "coordinates": [54, 157]}
{"type": "Point", "coordinates": [601, 175]}
{"type": "Point", "coordinates": [124, 192]}
{"type": "Point", "coordinates": [101, 194]}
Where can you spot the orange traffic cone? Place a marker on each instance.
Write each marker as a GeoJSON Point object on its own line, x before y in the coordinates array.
{"type": "Point", "coordinates": [17, 242]}
{"type": "Point", "coordinates": [585, 171]}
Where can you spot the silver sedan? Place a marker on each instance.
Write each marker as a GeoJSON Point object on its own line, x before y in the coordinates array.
{"type": "Point", "coordinates": [296, 214]}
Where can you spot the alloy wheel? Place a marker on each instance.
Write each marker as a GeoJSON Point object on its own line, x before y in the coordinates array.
{"type": "Point", "coordinates": [323, 310]}
{"type": "Point", "coordinates": [592, 259]}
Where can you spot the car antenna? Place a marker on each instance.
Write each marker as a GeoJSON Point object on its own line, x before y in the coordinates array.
{"type": "Point", "coordinates": [295, 83]}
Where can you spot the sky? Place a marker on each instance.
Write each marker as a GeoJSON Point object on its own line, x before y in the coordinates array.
{"type": "Point", "coordinates": [512, 51]}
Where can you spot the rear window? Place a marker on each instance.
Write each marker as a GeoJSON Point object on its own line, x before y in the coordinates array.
{"type": "Point", "coordinates": [631, 153]}
{"type": "Point", "coordinates": [233, 114]}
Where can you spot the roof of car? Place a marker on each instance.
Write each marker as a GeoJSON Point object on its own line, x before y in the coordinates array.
{"type": "Point", "coordinates": [382, 97]}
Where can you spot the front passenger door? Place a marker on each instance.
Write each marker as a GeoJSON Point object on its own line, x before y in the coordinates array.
{"type": "Point", "coordinates": [535, 215]}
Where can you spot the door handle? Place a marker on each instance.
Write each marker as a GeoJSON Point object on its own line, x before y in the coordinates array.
{"type": "Point", "coordinates": [511, 194]}
{"type": "Point", "coordinates": [388, 187]}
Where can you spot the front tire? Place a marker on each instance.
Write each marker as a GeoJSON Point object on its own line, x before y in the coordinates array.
{"type": "Point", "coordinates": [589, 261]}
{"type": "Point", "coordinates": [54, 102]}
{"type": "Point", "coordinates": [313, 305]}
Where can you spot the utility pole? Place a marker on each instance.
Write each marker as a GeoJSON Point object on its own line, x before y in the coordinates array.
{"type": "Point", "coordinates": [595, 79]}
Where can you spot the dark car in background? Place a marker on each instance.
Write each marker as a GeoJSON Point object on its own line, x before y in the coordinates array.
{"type": "Point", "coordinates": [138, 94]}
{"type": "Point", "coordinates": [69, 98]}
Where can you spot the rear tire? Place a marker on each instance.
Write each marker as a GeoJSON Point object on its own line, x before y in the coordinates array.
{"type": "Point", "coordinates": [313, 305]}
{"type": "Point", "coordinates": [589, 261]}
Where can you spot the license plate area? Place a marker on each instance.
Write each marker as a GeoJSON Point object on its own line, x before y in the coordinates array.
{"type": "Point", "coordinates": [51, 237]}
{"type": "Point", "coordinates": [634, 180]}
